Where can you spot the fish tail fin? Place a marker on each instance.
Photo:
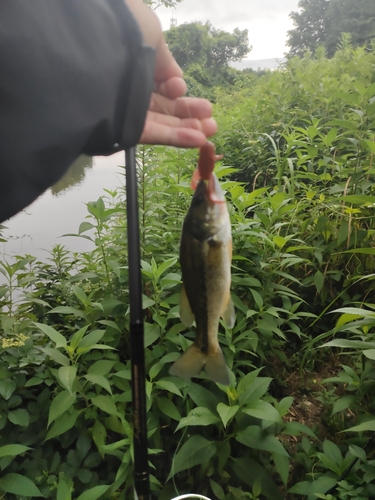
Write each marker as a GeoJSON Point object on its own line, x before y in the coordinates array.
{"type": "Point", "coordinates": [216, 367]}
{"type": "Point", "coordinates": [193, 360]}
{"type": "Point", "coordinates": [189, 364]}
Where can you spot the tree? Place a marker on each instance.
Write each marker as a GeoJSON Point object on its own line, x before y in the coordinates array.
{"type": "Point", "coordinates": [321, 22]}
{"type": "Point", "coordinates": [204, 52]}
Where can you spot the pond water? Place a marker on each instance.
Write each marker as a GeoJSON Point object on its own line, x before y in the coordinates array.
{"type": "Point", "coordinates": [62, 208]}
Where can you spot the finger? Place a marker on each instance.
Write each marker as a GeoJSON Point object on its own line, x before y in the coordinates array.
{"type": "Point", "coordinates": [173, 88]}
{"type": "Point", "coordinates": [185, 133]}
{"type": "Point", "coordinates": [184, 107]}
{"type": "Point", "coordinates": [166, 66]}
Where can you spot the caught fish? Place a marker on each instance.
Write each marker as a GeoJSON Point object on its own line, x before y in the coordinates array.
{"type": "Point", "coordinates": [205, 257]}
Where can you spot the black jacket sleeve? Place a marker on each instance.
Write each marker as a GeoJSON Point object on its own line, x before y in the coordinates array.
{"type": "Point", "coordinates": [74, 78]}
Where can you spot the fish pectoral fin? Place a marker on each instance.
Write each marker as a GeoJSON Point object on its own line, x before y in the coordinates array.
{"type": "Point", "coordinates": [229, 314]}
{"type": "Point", "coordinates": [216, 368]}
{"type": "Point", "coordinates": [189, 364]}
{"type": "Point", "coordinates": [186, 314]}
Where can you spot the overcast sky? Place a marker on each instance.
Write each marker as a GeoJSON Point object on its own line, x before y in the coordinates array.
{"type": "Point", "coordinates": [267, 20]}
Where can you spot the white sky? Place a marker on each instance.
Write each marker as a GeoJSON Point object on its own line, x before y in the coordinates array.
{"type": "Point", "coordinates": [267, 20]}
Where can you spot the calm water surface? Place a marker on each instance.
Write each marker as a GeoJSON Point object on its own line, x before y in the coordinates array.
{"type": "Point", "coordinates": [62, 208]}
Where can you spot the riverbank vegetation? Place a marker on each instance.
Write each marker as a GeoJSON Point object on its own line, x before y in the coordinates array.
{"type": "Point", "coordinates": [298, 172]}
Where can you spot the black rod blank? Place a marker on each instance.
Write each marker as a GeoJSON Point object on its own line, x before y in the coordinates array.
{"type": "Point", "coordinates": [141, 469]}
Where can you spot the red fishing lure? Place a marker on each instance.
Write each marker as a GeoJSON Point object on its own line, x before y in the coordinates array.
{"type": "Point", "coordinates": [206, 164]}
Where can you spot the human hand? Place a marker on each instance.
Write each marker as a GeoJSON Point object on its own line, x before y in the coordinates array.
{"type": "Point", "coordinates": [171, 120]}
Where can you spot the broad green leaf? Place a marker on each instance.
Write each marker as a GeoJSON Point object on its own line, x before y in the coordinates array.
{"type": "Point", "coordinates": [106, 404]}
{"type": "Point", "coordinates": [169, 408]}
{"type": "Point", "coordinates": [57, 356]}
{"type": "Point", "coordinates": [99, 380]}
{"type": "Point", "coordinates": [365, 426]}
{"type": "Point", "coordinates": [168, 385]}
{"type": "Point", "coordinates": [226, 412]}
{"type": "Point", "coordinates": [247, 381]}
{"type": "Point", "coordinates": [282, 466]}
{"type": "Point", "coordinates": [101, 367]}
{"type": "Point", "coordinates": [85, 226]}
{"type": "Point", "coordinates": [164, 266]}
{"type": "Point", "coordinates": [349, 344]}
{"type": "Point", "coordinates": [7, 387]}
{"type": "Point", "coordinates": [77, 337]}
{"type": "Point", "coordinates": [91, 338]}
{"type": "Point", "coordinates": [67, 310]}
{"type": "Point", "coordinates": [257, 389]}
{"type": "Point", "coordinates": [54, 335]}
{"type": "Point", "coordinates": [19, 485]}
{"type": "Point", "coordinates": [369, 353]}
{"type": "Point", "coordinates": [296, 429]}
{"type": "Point", "coordinates": [284, 405]}
{"type": "Point", "coordinates": [255, 438]}
{"type": "Point", "coordinates": [94, 493]}
{"type": "Point", "coordinates": [252, 473]}
{"type": "Point", "coordinates": [64, 488]}
{"type": "Point", "coordinates": [99, 435]}
{"type": "Point", "coordinates": [67, 375]}
{"type": "Point", "coordinates": [60, 404]}
{"type": "Point", "coordinates": [263, 410]}
{"type": "Point", "coordinates": [19, 417]}
{"type": "Point", "coordinates": [203, 397]}
{"type": "Point", "coordinates": [198, 416]}
{"type": "Point", "coordinates": [343, 403]}
{"type": "Point", "coordinates": [217, 490]}
{"type": "Point", "coordinates": [11, 450]}
{"type": "Point", "coordinates": [63, 424]}
{"type": "Point", "coordinates": [191, 453]}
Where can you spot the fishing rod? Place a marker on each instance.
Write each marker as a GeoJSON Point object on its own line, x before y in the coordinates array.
{"type": "Point", "coordinates": [141, 469]}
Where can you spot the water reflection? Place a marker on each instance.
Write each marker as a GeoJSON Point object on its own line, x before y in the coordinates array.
{"type": "Point", "coordinates": [74, 176]}
{"type": "Point", "coordinates": [60, 210]}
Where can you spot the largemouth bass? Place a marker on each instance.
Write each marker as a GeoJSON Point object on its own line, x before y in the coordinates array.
{"type": "Point", "coordinates": [205, 257]}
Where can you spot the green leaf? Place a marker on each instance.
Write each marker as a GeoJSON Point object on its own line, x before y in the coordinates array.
{"type": "Point", "coordinates": [64, 488]}
{"type": "Point", "coordinates": [343, 403]}
{"type": "Point", "coordinates": [106, 404]}
{"type": "Point", "coordinates": [169, 408]}
{"type": "Point", "coordinates": [263, 410]}
{"type": "Point", "coordinates": [256, 390]}
{"type": "Point", "coordinates": [63, 424]}
{"type": "Point", "coordinates": [57, 356]}
{"type": "Point", "coordinates": [198, 416]}
{"type": "Point", "coordinates": [19, 417]}
{"type": "Point", "coordinates": [94, 493]}
{"type": "Point", "coordinates": [11, 450]}
{"type": "Point", "coordinates": [191, 453]}
{"type": "Point", "coordinates": [226, 412]}
{"type": "Point", "coordinates": [55, 336]}
{"type": "Point", "coordinates": [60, 404]}
{"type": "Point", "coordinates": [91, 338]}
{"type": "Point", "coordinates": [67, 375]}
{"type": "Point", "coordinates": [255, 438]}
{"type": "Point", "coordinates": [101, 367]}
{"type": "Point", "coordinates": [282, 466]}
{"type": "Point", "coordinates": [296, 429]}
{"type": "Point", "coordinates": [7, 387]}
{"type": "Point", "coordinates": [365, 426]}
{"type": "Point", "coordinates": [99, 380]}
{"type": "Point", "coordinates": [19, 485]}
{"type": "Point", "coordinates": [319, 280]}
{"type": "Point", "coordinates": [369, 353]}
{"type": "Point", "coordinates": [99, 435]}
{"type": "Point", "coordinates": [168, 385]}
{"type": "Point", "coordinates": [77, 337]}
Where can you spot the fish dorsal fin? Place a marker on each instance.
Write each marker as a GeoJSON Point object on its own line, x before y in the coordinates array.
{"type": "Point", "coordinates": [229, 314]}
{"type": "Point", "coordinates": [186, 314]}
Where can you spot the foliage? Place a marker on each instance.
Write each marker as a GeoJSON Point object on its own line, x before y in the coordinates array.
{"type": "Point", "coordinates": [298, 172]}
{"type": "Point", "coordinates": [204, 53]}
{"type": "Point", "coordinates": [322, 22]}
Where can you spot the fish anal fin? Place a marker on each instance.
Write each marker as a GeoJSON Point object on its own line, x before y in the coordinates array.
{"type": "Point", "coordinates": [216, 367]}
{"type": "Point", "coordinates": [186, 314]}
{"type": "Point", "coordinates": [189, 364]}
{"type": "Point", "coordinates": [229, 314]}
